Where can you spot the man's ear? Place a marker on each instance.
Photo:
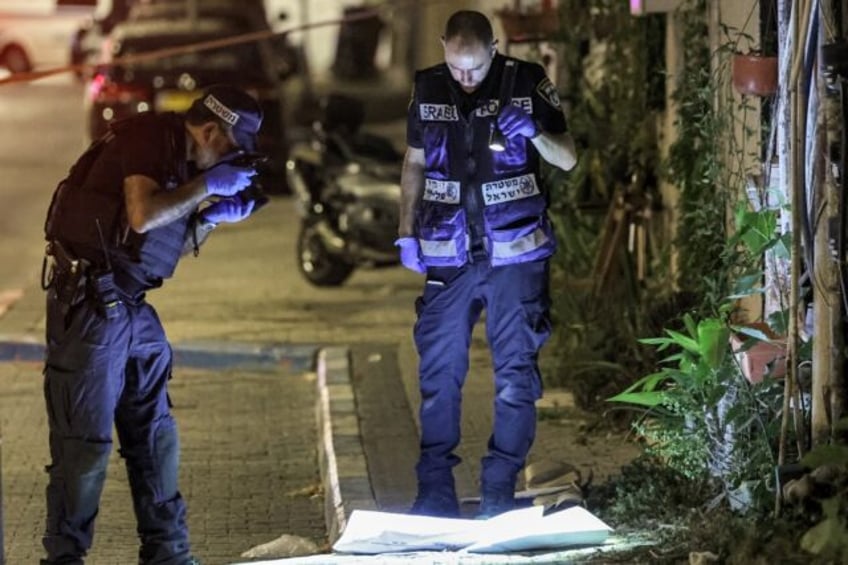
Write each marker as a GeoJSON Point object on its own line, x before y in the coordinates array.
{"type": "Point", "coordinates": [208, 131]}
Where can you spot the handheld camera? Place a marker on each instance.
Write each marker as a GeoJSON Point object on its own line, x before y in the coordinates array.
{"type": "Point", "coordinates": [254, 192]}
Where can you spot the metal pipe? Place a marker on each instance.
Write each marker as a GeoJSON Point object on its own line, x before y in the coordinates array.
{"type": "Point", "coordinates": [790, 178]}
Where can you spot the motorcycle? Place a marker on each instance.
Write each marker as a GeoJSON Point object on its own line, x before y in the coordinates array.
{"type": "Point", "coordinates": [346, 184]}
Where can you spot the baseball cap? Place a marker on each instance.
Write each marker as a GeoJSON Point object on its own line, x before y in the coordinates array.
{"type": "Point", "coordinates": [234, 107]}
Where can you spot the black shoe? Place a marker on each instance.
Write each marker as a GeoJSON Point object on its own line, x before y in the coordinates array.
{"type": "Point", "coordinates": [494, 502]}
{"type": "Point", "coordinates": [440, 502]}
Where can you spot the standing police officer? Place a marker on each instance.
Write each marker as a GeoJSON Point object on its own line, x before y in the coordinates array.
{"type": "Point", "coordinates": [117, 226]}
{"type": "Point", "coordinates": [473, 218]}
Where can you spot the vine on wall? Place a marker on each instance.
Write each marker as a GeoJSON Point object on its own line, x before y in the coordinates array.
{"type": "Point", "coordinates": [614, 90]}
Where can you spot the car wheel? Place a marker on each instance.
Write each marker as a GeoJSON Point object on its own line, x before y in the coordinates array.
{"type": "Point", "coordinates": [316, 263]}
{"type": "Point", "coordinates": [15, 59]}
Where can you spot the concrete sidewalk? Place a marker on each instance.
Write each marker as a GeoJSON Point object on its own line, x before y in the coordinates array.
{"type": "Point", "coordinates": [248, 467]}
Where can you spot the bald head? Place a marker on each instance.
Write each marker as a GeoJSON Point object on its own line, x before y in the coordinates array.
{"type": "Point", "coordinates": [469, 27]}
{"type": "Point", "coordinates": [469, 48]}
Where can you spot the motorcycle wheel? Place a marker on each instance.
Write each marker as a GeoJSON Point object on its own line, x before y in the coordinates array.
{"type": "Point", "coordinates": [316, 264]}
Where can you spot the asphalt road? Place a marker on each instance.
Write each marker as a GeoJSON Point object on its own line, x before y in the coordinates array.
{"type": "Point", "coordinates": [42, 125]}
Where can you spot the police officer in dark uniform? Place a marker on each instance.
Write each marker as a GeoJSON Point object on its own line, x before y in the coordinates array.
{"type": "Point", "coordinates": [131, 206]}
{"type": "Point", "coordinates": [473, 218]}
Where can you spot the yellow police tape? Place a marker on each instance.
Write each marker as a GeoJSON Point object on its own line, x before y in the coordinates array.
{"type": "Point", "coordinates": [31, 76]}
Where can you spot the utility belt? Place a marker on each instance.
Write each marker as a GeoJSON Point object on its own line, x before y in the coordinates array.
{"type": "Point", "coordinates": [70, 280]}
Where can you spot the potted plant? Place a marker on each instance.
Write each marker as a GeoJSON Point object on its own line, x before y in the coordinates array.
{"type": "Point", "coordinates": [759, 351]}
{"type": "Point", "coordinates": [754, 74]}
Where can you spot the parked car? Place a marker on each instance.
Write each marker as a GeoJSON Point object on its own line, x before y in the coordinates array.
{"type": "Point", "coordinates": [139, 77]}
{"type": "Point", "coordinates": [87, 43]}
{"type": "Point", "coordinates": [87, 40]}
{"type": "Point", "coordinates": [36, 36]}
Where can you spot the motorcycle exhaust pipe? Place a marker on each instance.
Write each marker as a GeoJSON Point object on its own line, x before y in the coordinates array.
{"type": "Point", "coordinates": [296, 182]}
{"type": "Point", "coordinates": [331, 240]}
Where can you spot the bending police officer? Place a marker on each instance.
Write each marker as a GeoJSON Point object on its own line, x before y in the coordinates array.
{"type": "Point", "coordinates": [474, 218]}
{"type": "Point", "coordinates": [131, 206]}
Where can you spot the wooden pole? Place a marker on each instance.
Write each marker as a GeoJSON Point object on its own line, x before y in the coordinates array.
{"type": "Point", "coordinates": [789, 163]}
{"type": "Point", "coordinates": [806, 160]}
{"type": "Point", "coordinates": [788, 167]}
{"type": "Point", "coordinates": [828, 360]}
{"type": "Point", "coordinates": [837, 131]}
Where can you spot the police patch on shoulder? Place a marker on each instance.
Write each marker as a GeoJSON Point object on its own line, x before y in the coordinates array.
{"type": "Point", "coordinates": [547, 90]}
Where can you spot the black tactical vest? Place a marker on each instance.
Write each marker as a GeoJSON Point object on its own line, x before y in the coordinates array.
{"type": "Point", "coordinates": [91, 218]}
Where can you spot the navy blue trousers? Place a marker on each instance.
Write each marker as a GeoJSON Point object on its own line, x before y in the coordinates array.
{"type": "Point", "coordinates": [102, 371]}
{"type": "Point", "coordinates": [517, 304]}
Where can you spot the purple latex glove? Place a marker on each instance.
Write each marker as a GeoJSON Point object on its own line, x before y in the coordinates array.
{"type": "Point", "coordinates": [228, 210]}
{"type": "Point", "coordinates": [410, 254]}
{"type": "Point", "coordinates": [226, 180]}
{"type": "Point", "coordinates": [514, 121]}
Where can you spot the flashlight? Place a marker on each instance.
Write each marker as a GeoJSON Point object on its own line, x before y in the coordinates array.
{"type": "Point", "coordinates": [496, 139]}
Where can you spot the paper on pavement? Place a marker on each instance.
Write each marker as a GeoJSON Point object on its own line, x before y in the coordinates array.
{"type": "Point", "coordinates": [569, 527]}
{"type": "Point", "coordinates": [525, 529]}
{"type": "Point", "coordinates": [384, 532]}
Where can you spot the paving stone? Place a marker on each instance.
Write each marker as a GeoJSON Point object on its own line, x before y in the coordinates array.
{"type": "Point", "coordinates": [248, 472]}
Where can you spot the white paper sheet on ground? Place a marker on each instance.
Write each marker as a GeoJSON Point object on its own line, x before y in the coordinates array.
{"type": "Point", "coordinates": [569, 527]}
{"type": "Point", "coordinates": [520, 530]}
{"type": "Point", "coordinates": [384, 532]}
{"type": "Point", "coordinates": [423, 558]}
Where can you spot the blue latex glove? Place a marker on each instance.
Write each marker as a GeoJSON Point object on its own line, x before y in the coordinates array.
{"type": "Point", "coordinates": [513, 121]}
{"type": "Point", "coordinates": [228, 210]}
{"type": "Point", "coordinates": [226, 180]}
{"type": "Point", "coordinates": [410, 254]}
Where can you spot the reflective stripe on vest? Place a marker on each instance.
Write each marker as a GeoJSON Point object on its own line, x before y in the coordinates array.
{"type": "Point", "coordinates": [505, 250]}
{"type": "Point", "coordinates": [438, 248]}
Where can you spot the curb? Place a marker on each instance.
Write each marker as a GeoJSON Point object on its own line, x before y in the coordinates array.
{"type": "Point", "coordinates": [344, 470]}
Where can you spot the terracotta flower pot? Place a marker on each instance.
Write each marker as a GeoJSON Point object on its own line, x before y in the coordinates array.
{"type": "Point", "coordinates": [754, 74]}
{"type": "Point", "coordinates": [764, 357]}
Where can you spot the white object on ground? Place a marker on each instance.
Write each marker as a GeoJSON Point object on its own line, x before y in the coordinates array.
{"type": "Point", "coordinates": [525, 529]}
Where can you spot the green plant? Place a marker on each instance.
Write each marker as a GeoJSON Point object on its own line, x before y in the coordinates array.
{"type": "Point", "coordinates": [708, 161]}
{"type": "Point", "coordinates": [611, 116]}
{"type": "Point", "coordinates": [701, 416]}
{"type": "Point", "coordinates": [828, 538]}
{"type": "Point", "coordinates": [678, 392]}
{"type": "Point", "coordinates": [702, 351]}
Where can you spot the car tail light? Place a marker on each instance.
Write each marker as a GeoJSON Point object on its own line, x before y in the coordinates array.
{"type": "Point", "coordinates": [123, 98]}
